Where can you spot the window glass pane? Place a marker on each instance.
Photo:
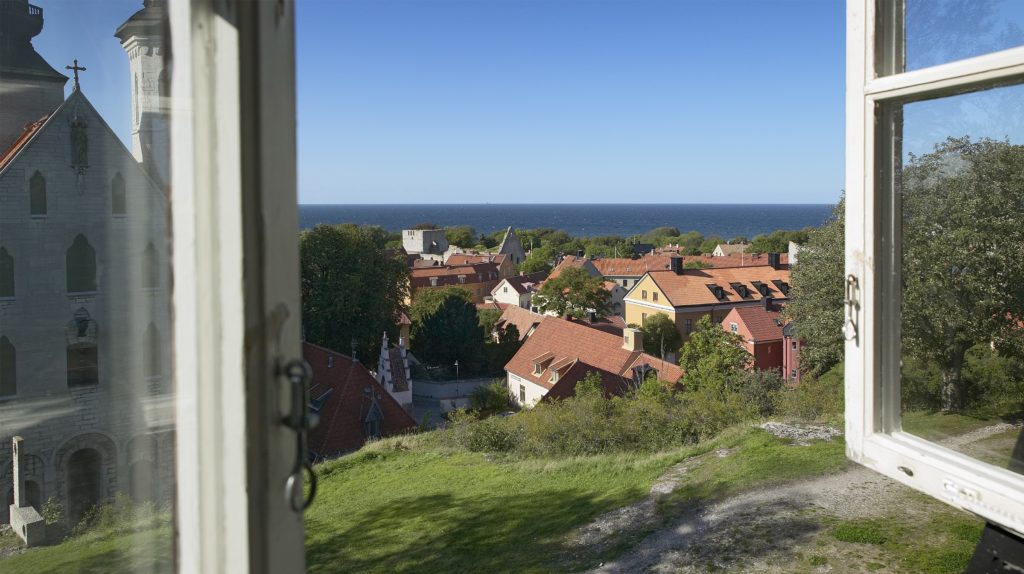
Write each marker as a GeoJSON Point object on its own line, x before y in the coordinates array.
{"type": "Point", "coordinates": [941, 31]}
{"type": "Point", "coordinates": [960, 211]}
{"type": "Point", "coordinates": [86, 420]}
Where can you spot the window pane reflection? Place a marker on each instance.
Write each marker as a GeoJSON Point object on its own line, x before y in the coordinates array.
{"type": "Point", "coordinates": [961, 194]}
{"type": "Point", "coordinates": [86, 420]}
{"type": "Point", "coordinates": [941, 31]}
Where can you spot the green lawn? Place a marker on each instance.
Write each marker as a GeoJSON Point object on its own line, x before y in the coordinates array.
{"type": "Point", "coordinates": [937, 426]}
{"type": "Point", "coordinates": [413, 505]}
{"type": "Point", "coordinates": [436, 511]}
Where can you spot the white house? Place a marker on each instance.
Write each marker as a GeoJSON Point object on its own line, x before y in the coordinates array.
{"type": "Point", "coordinates": [518, 290]}
{"type": "Point", "coordinates": [393, 372]}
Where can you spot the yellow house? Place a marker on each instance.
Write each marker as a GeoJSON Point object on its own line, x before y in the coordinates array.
{"type": "Point", "coordinates": [686, 295]}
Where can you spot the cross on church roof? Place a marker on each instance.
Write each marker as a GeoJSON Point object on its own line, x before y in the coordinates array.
{"type": "Point", "coordinates": [76, 69]}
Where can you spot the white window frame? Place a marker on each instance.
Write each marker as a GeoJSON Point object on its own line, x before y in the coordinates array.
{"type": "Point", "coordinates": [236, 300]}
{"type": "Point", "coordinates": [874, 436]}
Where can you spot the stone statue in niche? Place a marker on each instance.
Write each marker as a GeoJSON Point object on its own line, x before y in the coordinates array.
{"type": "Point", "coordinates": [79, 144]}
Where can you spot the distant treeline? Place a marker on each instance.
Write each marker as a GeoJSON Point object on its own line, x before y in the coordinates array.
{"type": "Point", "coordinates": [553, 241]}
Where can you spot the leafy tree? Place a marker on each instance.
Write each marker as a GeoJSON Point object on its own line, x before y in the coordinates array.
{"type": "Point", "coordinates": [816, 297]}
{"type": "Point", "coordinates": [713, 358]}
{"type": "Point", "coordinates": [660, 335]}
{"type": "Point", "coordinates": [963, 265]}
{"type": "Point", "coordinates": [491, 398]}
{"type": "Point", "coordinates": [691, 241]}
{"type": "Point", "coordinates": [352, 290]}
{"type": "Point", "coordinates": [461, 236]}
{"type": "Point", "coordinates": [445, 329]}
{"type": "Point", "coordinates": [697, 264]}
{"type": "Point", "coordinates": [487, 318]}
{"type": "Point", "coordinates": [574, 292]}
{"type": "Point", "coordinates": [710, 244]}
{"type": "Point", "coordinates": [426, 226]}
{"type": "Point", "coordinates": [777, 241]}
{"type": "Point", "coordinates": [539, 260]}
{"type": "Point", "coordinates": [500, 352]}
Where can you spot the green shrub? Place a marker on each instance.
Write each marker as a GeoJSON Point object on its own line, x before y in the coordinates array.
{"type": "Point", "coordinates": [815, 397]}
{"type": "Point", "coordinates": [491, 398]}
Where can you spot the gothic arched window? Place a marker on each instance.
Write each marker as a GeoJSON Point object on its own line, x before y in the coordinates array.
{"type": "Point", "coordinates": [81, 266]}
{"type": "Point", "coordinates": [8, 369]}
{"type": "Point", "coordinates": [150, 267]}
{"type": "Point", "coordinates": [83, 364]}
{"type": "Point", "coordinates": [118, 196]}
{"type": "Point", "coordinates": [6, 274]}
{"type": "Point", "coordinates": [151, 352]}
{"type": "Point", "coordinates": [37, 194]}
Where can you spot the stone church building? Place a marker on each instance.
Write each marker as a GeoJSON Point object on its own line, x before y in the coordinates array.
{"type": "Point", "coordinates": [85, 332]}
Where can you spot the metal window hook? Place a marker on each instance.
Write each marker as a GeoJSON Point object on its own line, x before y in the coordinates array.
{"type": "Point", "coordinates": [852, 305]}
{"type": "Point", "coordinates": [298, 374]}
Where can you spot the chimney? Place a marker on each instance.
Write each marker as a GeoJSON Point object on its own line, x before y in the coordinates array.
{"type": "Point", "coordinates": [676, 264]}
{"type": "Point", "coordinates": [767, 301]}
{"type": "Point", "coordinates": [773, 260]}
{"type": "Point", "coordinates": [632, 339]}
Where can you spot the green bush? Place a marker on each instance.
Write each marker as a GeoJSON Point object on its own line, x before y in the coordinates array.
{"type": "Point", "coordinates": [491, 398]}
{"type": "Point", "coordinates": [815, 397]}
{"type": "Point", "coordinates": [120, 516]}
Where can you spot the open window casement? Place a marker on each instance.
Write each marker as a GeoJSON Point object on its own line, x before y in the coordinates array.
{"type": "Point", "coordinates": [935, 119]}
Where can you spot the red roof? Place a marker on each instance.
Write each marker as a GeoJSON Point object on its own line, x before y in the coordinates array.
{"type": "Point", "coordinates": [573, 261]}
{"type": "Point", "coordinates": [450, 275]}
{"type": "Point", "coordinates": [570, 345]}
{"type": "Point", "coordinates": [523, 319]}
{"type": "Point", "coordinates": [763, 326]}
{"type": "Point", "coordinates": [526, 283]}
{"type": "Point", "coordinates": [25, 137]}
{"type": "Point", "coordinates": [471, 258]}
{"type": "Point", "coordinates": [345, 394]}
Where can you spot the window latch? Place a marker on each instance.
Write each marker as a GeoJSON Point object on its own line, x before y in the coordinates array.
{"type": "Point", "coordinates": [301, 420]}
{"type": "Point", "coordinates": [852, 305]}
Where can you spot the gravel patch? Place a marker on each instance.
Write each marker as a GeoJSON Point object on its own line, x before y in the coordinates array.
{"type": "Point", "coordinates": [801, 434]}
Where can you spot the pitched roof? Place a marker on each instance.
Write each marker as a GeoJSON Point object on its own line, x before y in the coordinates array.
{"type": "Point", "coordinates": [572, 261]}
{"type": "Point", "coordinates": [398, 379]}
{"type": "Point", "coordinates": [23, 140]}
{"type": "Point", "coordinates": [526, 283]}
{"type": "Point", "coordinates": [471, 258]}
{"type": "Point", "coordinates": [569, 343]}
{"type": "Point", "coordinates": [449, 275]}
{"type": "Point", "coordinates": [693, 286]}
{"type": "Point", "coordinates": [345, 392]}
{"type": "Point", "coordinates": [523, 319]}
{"type": "Point", "coordinates": [624, 267]}
{"type": "Point", "coordinates": [732, 248]}
{"type": "Point", "coordinates": [736, 260]}
{"type": "Point", "coordinates": [492, 305]}
{"type": "Point", "coordinates": [762, 325]}
{"type": "Point", "coordinates": [612, 324]}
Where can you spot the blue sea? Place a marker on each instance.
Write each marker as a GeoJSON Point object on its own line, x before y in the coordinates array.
{"type": "Point", "coordinates": [727, 221]}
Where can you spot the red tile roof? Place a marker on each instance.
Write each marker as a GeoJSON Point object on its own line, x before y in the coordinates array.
{"type": "Point", "coordinates": [693, 286]}
{"type": "Point", "coordinates": [492, 305]}
{"type": "Point", "coordinates": [398, 379]}
{"type": "Point", "coordinates": [612, 324]}
{"type": "Point", "coordinates": [523, 319]}
{"type": "Point", "coordinates": [763, 326]}
{"type": "Point", "coordinates": [526, 283]}
{"type": "Point", "coordinates": [346, 392]}
{"type": "Point", "coordinates": [471, 258]}
{"type": "Point", "coordinates": [26, 136]}
{"type": "Point", "coordinates": [571, 344]}
{"type": "Point", "coordinates": [622, 267]}
{"type": "Point", "coordinates": [573, 261]}
{"type": "Point", "coordinates": [449, 275]}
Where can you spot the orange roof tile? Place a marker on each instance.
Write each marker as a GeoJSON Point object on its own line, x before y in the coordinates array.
{"type": "Point", "coordinates": [622, 267]}
{"type": "Point", "coordinates": [692, 286]}
{"type": "Point", "coordinates": [762, 325]}
{"type": "Point", "coordinates": [563, 341]}
{"type": "Point", "coordinates": [26, 136]}
{"type": "Point", "coordinates": [523, 319]}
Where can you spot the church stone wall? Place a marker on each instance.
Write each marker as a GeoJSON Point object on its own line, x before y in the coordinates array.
{"type": "Point", "coordinates": [43, 318]}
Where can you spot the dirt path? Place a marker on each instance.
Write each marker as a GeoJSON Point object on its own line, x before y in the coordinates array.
{"type": "Point", "coordinates": [760, 528]}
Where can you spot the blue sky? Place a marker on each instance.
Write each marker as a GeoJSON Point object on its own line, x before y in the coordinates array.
{"type": "Point", "coordinates": [509, 101]}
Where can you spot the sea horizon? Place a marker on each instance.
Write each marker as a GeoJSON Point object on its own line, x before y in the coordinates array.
{"type": "Point", "coordinates": [727, 220]}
